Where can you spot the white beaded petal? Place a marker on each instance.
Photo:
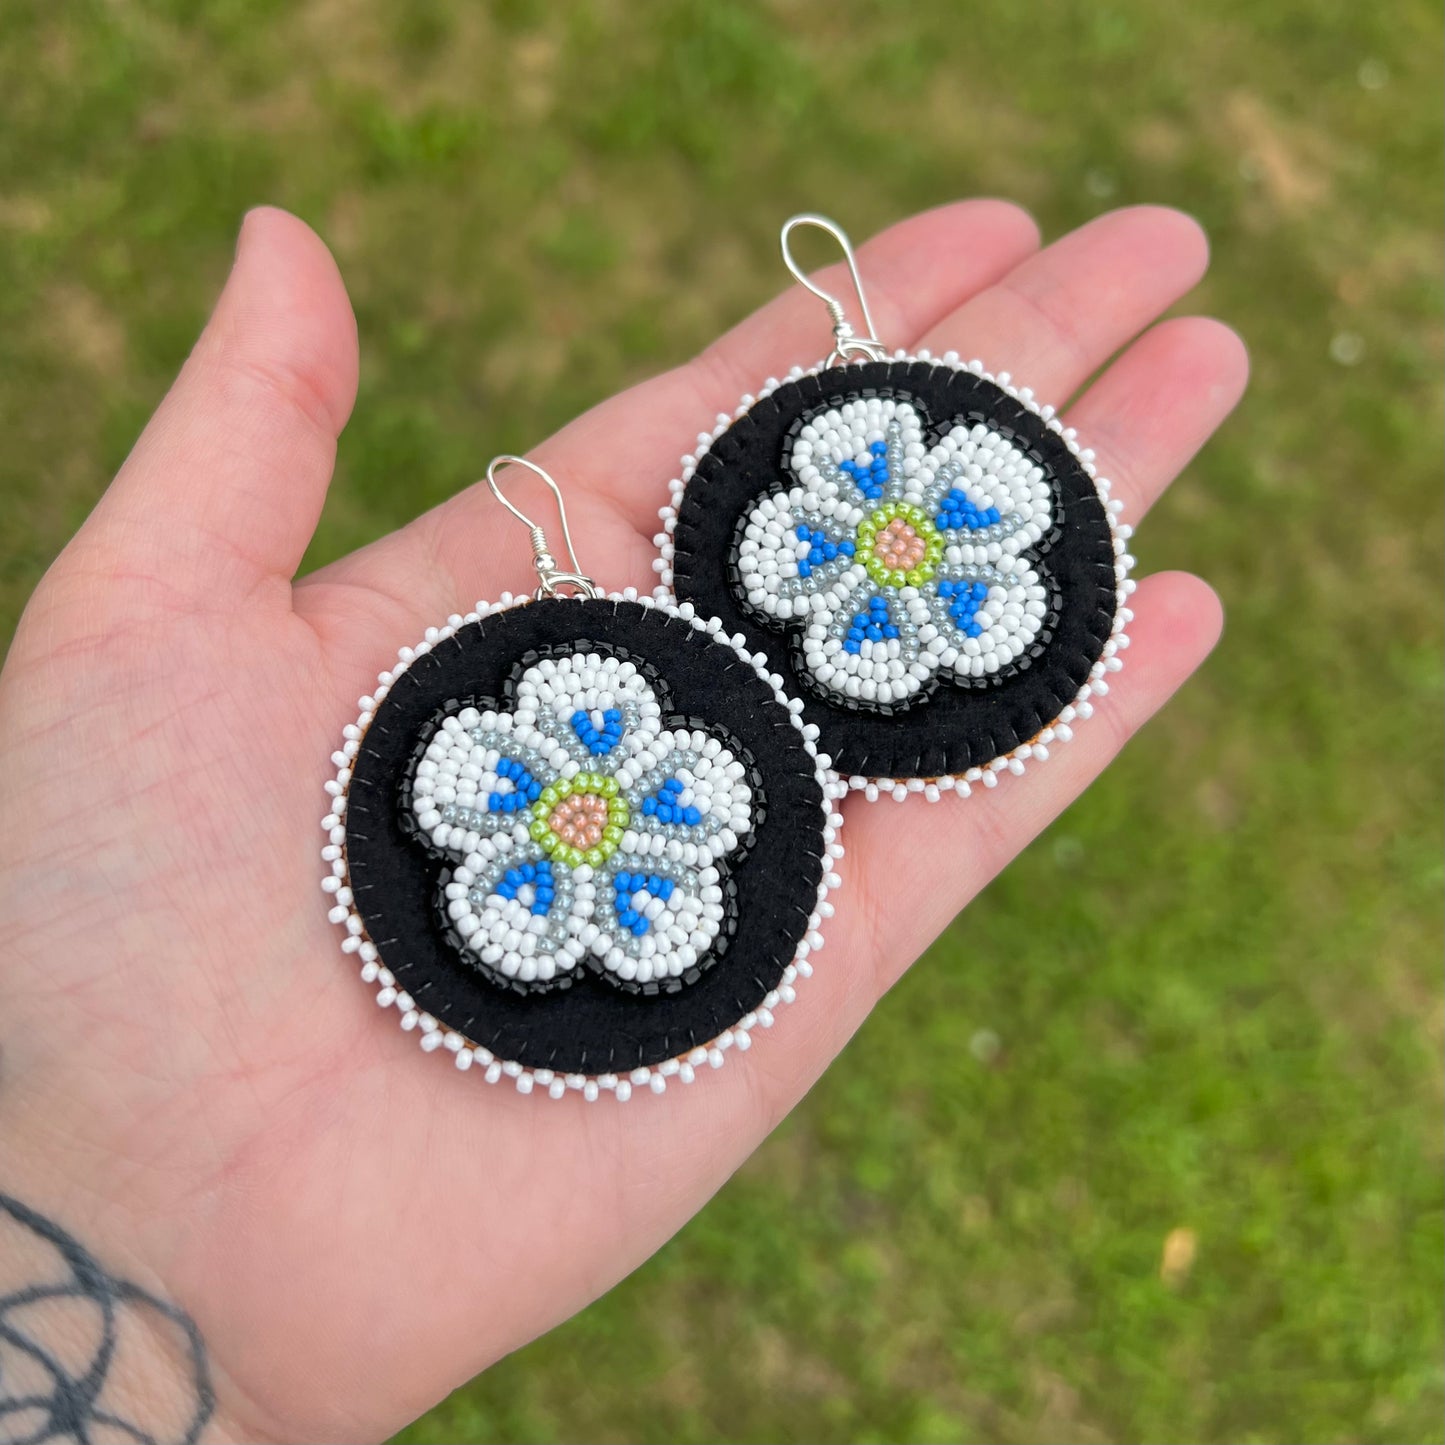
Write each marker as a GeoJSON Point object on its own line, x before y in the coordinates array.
{"type": "Point", "coordinates": [509, 921]}
{"type": "Point", "coordinates": [782, 560]}
{"type": "Point", "coordinates": [835, 444]}
{"type": "Point", "coordinates": [986, 470]}
{"type": "Point", "coordinates": [473, 781]}
{"type": "Point", "coordinates": [884, 669]}
{"type": "Point", "coordinates": [982, 618]}
{"type": "Point", "coordinates": [553, 691]}
{"type": "Point", "coordinates": [655, 918]}
{"type": "Point", "coordinates": [688, 797]}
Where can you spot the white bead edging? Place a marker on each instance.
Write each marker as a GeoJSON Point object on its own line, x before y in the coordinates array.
{"type": "Point", "coordinates": [432, 1034]}
{"type": "Point", "coordinates": [1079, 710]}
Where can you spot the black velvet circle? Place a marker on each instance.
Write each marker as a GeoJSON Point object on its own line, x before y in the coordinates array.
{"type": "Point", "coordinates": [589, 1025]}
{"type": "Point", "coordinates": [950, 725]}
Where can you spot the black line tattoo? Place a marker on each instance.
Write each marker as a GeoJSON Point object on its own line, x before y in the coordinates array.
{"type": "Point", "coordinates": [47, 1395]}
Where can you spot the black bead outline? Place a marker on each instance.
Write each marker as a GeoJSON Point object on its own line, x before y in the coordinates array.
{"type": "Point", "coordinates": [589, 962]}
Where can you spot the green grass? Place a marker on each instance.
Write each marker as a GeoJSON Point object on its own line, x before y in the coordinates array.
{"type": "Point", "coordinates": [1226, 1020]}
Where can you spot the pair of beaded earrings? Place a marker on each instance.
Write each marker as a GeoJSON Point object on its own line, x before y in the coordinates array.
{"type": "Point", "coordinates": [584, 841]}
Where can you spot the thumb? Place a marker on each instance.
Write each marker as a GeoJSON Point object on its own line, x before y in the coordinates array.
{"type": "Point", "coordinates": [224, 487]}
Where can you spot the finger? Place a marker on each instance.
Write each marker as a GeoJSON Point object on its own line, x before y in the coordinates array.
{"type": "Point", "coordinates": [1057, 317]}
{"type": "Point", "coordinates": [224, 487]}
{"type": "Point", "coordinates": [1152, 410]}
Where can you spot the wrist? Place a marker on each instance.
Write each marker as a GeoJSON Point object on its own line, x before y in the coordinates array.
{"type": "Point", "coordinates": [86, 1349]}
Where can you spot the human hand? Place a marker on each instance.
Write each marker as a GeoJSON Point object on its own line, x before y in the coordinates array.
{"type": "Point", "coordinates": [192, 1082]}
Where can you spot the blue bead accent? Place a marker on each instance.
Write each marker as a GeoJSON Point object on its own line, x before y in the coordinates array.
{"type": "Point", "coordinates": [959, 510]}
{"type": "Point", "coordinates": [598, 741]}
{"type": "Point", "coordinates": [624, 885]}
{"type": "Point", "coordinates": [871, 479]}
{"type": "Point", "coordinates": [540, 876]}
{"type": "Point", "coordinates": [874, 625]}
{"type": "Point", "coordinates": [525, 789]}
{"type": "Point", "coordinates": [664, 805]}
{"type": "Point", "coordinates": [821, 548]}
{"type": "Point", "coordinates": [964, 599]}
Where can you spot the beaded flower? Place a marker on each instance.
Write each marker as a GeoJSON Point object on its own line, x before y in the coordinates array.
{"type": "Point", "coordinates": [582, 827]}
{"type": "Point", "coordinates": [901, 561]}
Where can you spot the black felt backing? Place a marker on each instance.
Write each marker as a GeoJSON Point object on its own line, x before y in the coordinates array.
{"type": "Point", "coordinates": [950, 726]}
{"type": "Point", "coordinates": [591, 1026]}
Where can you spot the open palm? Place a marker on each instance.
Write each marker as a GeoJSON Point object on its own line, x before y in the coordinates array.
{"type": "Point", "coordinates": [193, 1080]}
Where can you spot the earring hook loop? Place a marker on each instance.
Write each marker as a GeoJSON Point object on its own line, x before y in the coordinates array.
{"type": "Point", "coordinates": [551, 579]}
{"type": "Point", "coordinates": [846, 343]}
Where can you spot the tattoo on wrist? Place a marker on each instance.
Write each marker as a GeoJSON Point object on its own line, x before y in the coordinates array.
{"type": "Point", "coordinates": [77, 1346]}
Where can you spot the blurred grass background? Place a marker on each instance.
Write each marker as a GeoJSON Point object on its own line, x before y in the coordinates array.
{"type": "Point", "coordinates": [1158, 1159]}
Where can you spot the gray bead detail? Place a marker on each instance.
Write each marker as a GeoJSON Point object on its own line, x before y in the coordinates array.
{"type": "Point", "coordinates": [824, 575]}
{"type": "Point", "coordinates": [558, 916]}
{"type": "Point", "coordinates": [649, 783]}
{"type": "Point", "coordinates": [605, 912]}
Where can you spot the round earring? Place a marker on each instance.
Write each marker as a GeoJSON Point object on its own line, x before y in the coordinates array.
{"type": "Point", "coordinates": [580, 841]}
{"type": "Point", "coordinates": [921, 548]}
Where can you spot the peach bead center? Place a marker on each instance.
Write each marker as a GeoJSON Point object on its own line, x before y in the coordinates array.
{"type": "Point", "coordinates": [579, 819]}
{"type": "Point", "coordinates": [899, 547]}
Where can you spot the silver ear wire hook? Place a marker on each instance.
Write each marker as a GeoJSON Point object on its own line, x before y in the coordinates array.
{"type": "Point", "coordinates": [845, 342]}
{"type": "Point", "coordinates": [551, 581]}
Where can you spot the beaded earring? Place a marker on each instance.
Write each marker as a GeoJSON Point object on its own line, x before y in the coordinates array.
{"type": "Point", "coordinates": [580, 841]}
{"type": "Point", "coordinates": [921, 548]}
